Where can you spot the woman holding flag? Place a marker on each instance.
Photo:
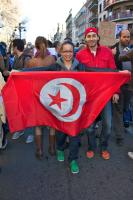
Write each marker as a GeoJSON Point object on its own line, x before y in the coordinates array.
{"type": "Point", "coordinates": [67, 62]}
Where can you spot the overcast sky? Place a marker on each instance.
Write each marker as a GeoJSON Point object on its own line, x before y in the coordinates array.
{"type": "Point", "coordinates": [43, 15]}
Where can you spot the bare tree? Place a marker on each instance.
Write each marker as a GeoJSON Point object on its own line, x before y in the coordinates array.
{"type": "Point", "coordinates": [9, 11]}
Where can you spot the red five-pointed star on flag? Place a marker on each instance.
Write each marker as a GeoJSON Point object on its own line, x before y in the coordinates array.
{"type": "Point", "coordinates": [57, 99]}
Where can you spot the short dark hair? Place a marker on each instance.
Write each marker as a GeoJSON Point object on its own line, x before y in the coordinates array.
{"type": "Point", "coordinates": [67, 42]}
{"type": "Point", "coordinates": [68, 39]}
{"type": "Point", "coordinates": [19, 44]}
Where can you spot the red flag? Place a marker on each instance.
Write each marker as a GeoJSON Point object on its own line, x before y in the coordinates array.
{"type": "Point", "coordinates": [66, 101]}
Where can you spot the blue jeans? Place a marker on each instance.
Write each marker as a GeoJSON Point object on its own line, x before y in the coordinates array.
{"type": "Point", "coordinates": [127, 117]}
{"type": "Point", "coordinates": [126, 103]}
{"type": "Point", "coordinates": [106, 117]}
{"type": "Point", "coordinates": [73, 144]}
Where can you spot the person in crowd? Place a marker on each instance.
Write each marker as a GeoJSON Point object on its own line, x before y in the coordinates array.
{"type": "Point", "coordinates": [2, 112]}
{"type": "Point", "coordinates": [2, 65]}
{"type": "Point", "coordinates": [131, 39]}
{"type": "Point", "coordinates": [20, 61]}
{"type": "Point", "coordinates": [121, 110]}
{"type": "Point", "coordinates": [42, 58]}
{"type": "Point", "coordinates": [124, 58]}
{"type": "Point", "coordinates": [3, 52]}
{"type": "Point", "coordinates": [100, 57]}
{"type": "Point", "coordinates": [21, 58]}
{"type": "Point", "coordinates": [57, 46]}
{"type": "Point", "coordinates": [29, 50]}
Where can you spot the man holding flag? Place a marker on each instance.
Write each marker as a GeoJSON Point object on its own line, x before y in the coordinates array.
{"type": "Point", "coordinates": [100, 57]}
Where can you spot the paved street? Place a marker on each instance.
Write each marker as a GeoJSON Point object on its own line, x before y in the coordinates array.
{"type": "Point", "coordinates": [25, 178]}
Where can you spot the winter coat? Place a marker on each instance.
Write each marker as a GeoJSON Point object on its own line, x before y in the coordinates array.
{"type": "Point", "coordinates": [129, 57]}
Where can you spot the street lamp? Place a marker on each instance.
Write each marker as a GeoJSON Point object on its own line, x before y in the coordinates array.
{"type": "Point", "coordinates": [20, 28]}
{"type": "Point", "coordinates": [1, 22]}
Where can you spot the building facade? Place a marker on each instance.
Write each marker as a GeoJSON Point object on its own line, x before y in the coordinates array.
{"type": "Point", "coordinates": [92, 13]}
{"type": "Point", "coordinates": [120, 11]}
{"type": "Point", "coordinates": [80, 24]}
{"type": "Point", "coordinates": [69, 22]}
{"type": "Point", "coordinates": [102, 14]}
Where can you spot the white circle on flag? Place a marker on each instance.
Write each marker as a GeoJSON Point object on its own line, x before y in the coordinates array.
{"type": "Point", "coordinates": [70, 97]}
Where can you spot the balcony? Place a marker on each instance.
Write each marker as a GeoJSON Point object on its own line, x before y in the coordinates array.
{"type": "Point", "coordinates": [93, 5]}
{"type": "Point", "coordinates": [110, 3]}
{"type": "Point", "coordinates": [93, 18]}
{"type": "Point", "coordinates": [126, 15]}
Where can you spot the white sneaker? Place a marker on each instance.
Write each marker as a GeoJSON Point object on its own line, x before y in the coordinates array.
{"type": "Point", "coordinates": [16, 135]}
{"type": "Point", "coordinates": [130, 154]}
{"type": "Point", "coordinates": [29, 139]}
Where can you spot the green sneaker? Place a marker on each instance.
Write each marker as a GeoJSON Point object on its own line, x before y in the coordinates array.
{"type": "Point", "coordinates": [60, 156]}
{"type": "Point", "coordinates": [74, 167]}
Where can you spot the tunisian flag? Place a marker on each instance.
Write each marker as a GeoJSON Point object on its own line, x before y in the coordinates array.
{"type": "Point", "coordinates": [66, 101]}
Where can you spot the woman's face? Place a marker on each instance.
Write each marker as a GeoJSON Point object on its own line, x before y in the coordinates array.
{"type": "Point", "coordinates": [67, 52]}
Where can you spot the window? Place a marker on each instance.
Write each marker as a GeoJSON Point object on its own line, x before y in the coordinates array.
{"type": "Point", "coordinates": [100, 8]}
{"type": "Point", "coordinates": [104, 17]}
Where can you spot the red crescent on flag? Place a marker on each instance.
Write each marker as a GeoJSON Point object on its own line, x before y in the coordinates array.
{"type": "Point", "coordinates": [76, 98]}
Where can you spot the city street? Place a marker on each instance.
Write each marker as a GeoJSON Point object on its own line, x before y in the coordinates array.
{"type": "Point", "coordinates": [74, 68]}
{"type": "Point", "coordinates": [23, 177]}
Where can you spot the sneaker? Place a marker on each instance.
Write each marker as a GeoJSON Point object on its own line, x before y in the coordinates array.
{"type": "Point", "coordinates": [60, 156]}
{"type": "Point", "coordinates": [105, 155]}
{"type": "Point", "coordinates": [74, 167]}
{"type": "Point", "coordinates": [16, 135]}
{"type": "Point", "coordinates": [130, 154]}
{"type": "Point", "coordinates": [90, 154]}
{"type": "Point", "coordinates": [29, 139]}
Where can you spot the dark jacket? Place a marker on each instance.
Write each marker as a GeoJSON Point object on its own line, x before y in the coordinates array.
{"type": "Point", "coordinates": [129, 57]}
{"type": "Point", "coordinates": [20, 62]}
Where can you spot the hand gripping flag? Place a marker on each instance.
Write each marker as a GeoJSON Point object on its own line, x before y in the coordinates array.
{"type": "Point", "coordinates": [66, 101]}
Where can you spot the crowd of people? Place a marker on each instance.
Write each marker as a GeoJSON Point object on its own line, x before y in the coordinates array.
{"type": "Point", "coordinates": [89, 56]}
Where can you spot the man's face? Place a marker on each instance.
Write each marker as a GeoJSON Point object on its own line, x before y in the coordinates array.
{"type": "Point", "coordinates": [125, 38]}
{"type": "Point", "coordinates": [91, 39]}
